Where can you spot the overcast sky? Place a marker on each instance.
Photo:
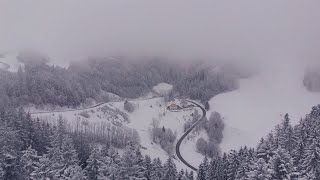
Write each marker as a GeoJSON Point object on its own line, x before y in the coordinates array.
{"type": "Point", "coordinates": [245, 29]}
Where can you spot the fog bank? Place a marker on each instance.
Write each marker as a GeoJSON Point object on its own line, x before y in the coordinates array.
{"type": "Point", "coordinates": [232, 30]}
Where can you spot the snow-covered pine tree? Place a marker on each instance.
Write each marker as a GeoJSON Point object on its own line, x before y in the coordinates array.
{"type": "Point", "coordinates": [131, 165]}
{"type": "Point", "coordinates": [9, 150]}
{"type": "Point", "coordinates": [203, 169]}
{"type": "Point", "coordinates": [157, 169]}
{"type": "Point", "coordinates": [259, 171]}
{"type": "Point", "coordinates": [216, 169]}
{"type": "Point", "coordinates": [246, 158]}
{"type": "Point", "coordinates": [233, 165]}
{"type": "Point", "coordinates": [61, 156]}
{"type": "Point", "coordinates": [29, 162]}
{"type": "Point", "coordinates": [281, 165]}
{"type": "Point", "coordinates": [180, 175]}
{"type": "Point", "coordinates": [148, 167]}
{"type": "Point", "coordinates": [310, 163]}
{"type": "Point", "coordinates": [285, 135]}
{"type": "Point", "coordinates": [97, 168]}
{"type": "Point", "coordinates": [170, 170]}
{"type": "Point", "coordinates": [191, 175]}
{"type": "Point", "coordinates": [300, 139]}
{"type": "Point", "coordinates": [74, 173]}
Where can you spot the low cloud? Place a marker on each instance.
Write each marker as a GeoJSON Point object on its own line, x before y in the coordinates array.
{"type": "Point", "coordinates": [233, 30]}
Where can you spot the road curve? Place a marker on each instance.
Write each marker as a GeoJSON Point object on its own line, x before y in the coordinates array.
{"type": "Point", "coordinates": [186, 134]}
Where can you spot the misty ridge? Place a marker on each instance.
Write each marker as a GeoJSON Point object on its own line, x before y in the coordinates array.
{"type": "Point", "coordinates": [159, 90]}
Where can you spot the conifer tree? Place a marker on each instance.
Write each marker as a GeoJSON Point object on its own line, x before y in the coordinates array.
{"type": "Point", "coordinates": [148, 167]}
{"type": "Point", "coordinates": [281, 165]}
{"type": "Point", "coordinates": [310, 163]}
{"type": "Point", "coordinates": [203, 170]}
{"type": "Point", "coordinates": [157, 169]}
{"type": "Point", "coordinates": [170, 170]}
{"type": "Point", "coordinates": [260, 171]}
{"type": "Point", "coordinates": [29, 162]}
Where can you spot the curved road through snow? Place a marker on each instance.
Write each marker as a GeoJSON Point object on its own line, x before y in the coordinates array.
{"type": "Point", "coordinates": [186, 134]}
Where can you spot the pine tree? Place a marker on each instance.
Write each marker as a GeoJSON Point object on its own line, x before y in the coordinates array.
{"type": "Point", "coordinates": [203, 169]}
{"type": "Point", "coordinates": [131, 163]}
{"type": "Point", "coordinates": [170, 170]}
{"type": "Point", "coordinates": [191, 175]}
{"type": "Point", "coordinates": [311, 160]}
{"type": "Point", "coordinates": [281, 165]}
{"type": "Point", "coordinates": [73, 173]}
{"type": "Point", "coordinates": [29, 162]}
{"type": "Point", "coordinates": [97, 167]}
{"type": "Point", "coordinates": [181, 175]}
{"type": "Point", "coordinates": [215, 170]}
{"type": "Point", "coordinates": [9, 165]}
{"type": "Point", "coordinates": [233, 165]}
{"type": "Point", "coordinates": [54, 164]}
{"type": "Point", "coordinates": [10, 145]}
{"type": "Point", "coordinates": [260, 171]}
{"type": "Point", "coordinates": [147, 167]}
{"type": "Point", "coordinates": [157, 169]}
{"type": "Point", "coordinates": [300, 142]}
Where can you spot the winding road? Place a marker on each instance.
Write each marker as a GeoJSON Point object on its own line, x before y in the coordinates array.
{"type": "Point", "coordinates": [186, 134]}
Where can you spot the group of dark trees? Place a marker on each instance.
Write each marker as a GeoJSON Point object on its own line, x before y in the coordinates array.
{"type": "Point", "coordinates": [42, 84]}
{"type": "Point", "coordinates": [30, 149]}
{"type": "Point", "coordinates": [214, 128]}
{"type": "Point", "coordinates": [288, 152]}
{"type": "Point", "coordinates": [165, 137]}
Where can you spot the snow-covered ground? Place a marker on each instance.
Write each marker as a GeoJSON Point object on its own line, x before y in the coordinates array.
{"type": "Point", "coordinates": [163, 88]}
{"type": "Point", "coordinates": [145, 111]}
{"type": "Point", "coordinates": [141, 119]}
{"type": "Point", "coordinates": [260, 103]}
{"type": "Point", "coordinates": [188, 148]}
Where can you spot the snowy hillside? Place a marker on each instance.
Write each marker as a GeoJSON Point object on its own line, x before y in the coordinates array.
{"type": "Point", "coordinates": [163, 88]}
{"type": "Point", "coordinates": [145, 111]}
{"type": "Point", "coordinates": [260, 103]}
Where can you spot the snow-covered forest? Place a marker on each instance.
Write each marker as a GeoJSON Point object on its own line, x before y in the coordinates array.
{"type": "Point", "coordinates": [159, 90]}
{"type": "Point", "coordinates": [41, 84]}
{"type": "Point", "coordinates": [32, 148]}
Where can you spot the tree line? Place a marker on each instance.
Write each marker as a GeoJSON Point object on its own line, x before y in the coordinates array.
{"type": "Point", "coordinates": [41, 84]}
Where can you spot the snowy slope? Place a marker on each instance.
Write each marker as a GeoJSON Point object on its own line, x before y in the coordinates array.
{"type": "Point", "coordinates": [145, 111]}
{"type": "Point", "coordinates": [141, 120]}
{"type": "Point", "coordinates": [163, 88]}
{"type": "Point", "coordinates": [259, 104]}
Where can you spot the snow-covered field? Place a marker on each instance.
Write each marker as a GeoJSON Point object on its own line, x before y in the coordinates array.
{"type": "Point", "coordinates": [163, 88]}
{"type": "Point", "coordinates": [145, 111]}
{"type": "Point", "coordinates": [260, 103]}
